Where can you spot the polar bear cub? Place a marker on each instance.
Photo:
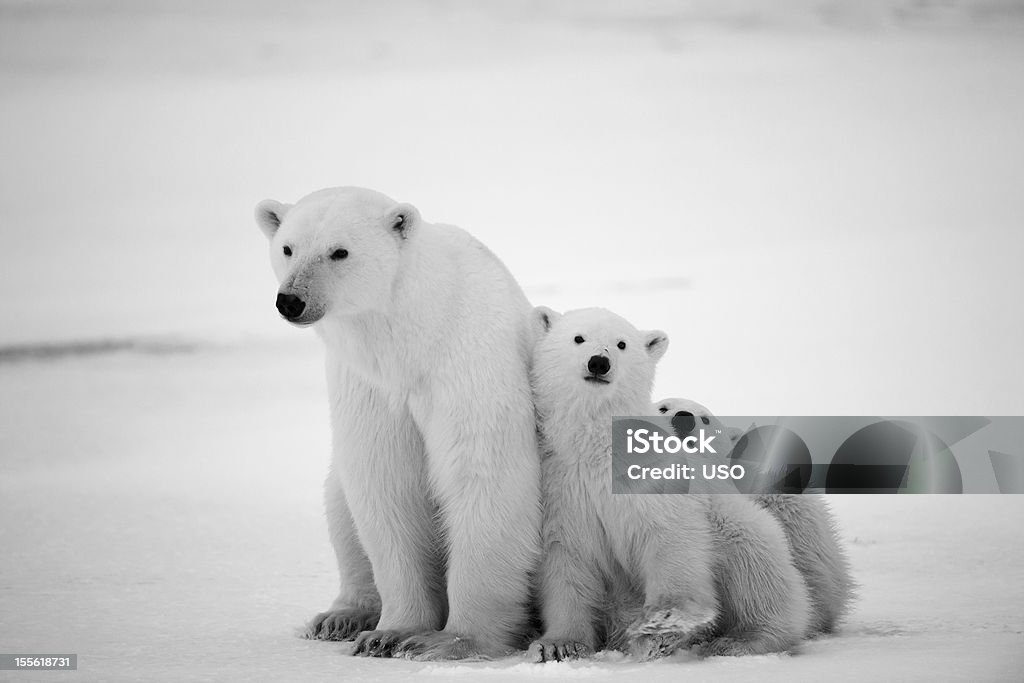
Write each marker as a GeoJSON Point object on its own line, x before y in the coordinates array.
{"type": "Point", "coordinates": [645, 573]}
{"type": "Point", "coordinates": [810, 530]}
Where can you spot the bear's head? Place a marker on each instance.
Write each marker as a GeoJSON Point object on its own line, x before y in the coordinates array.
{"type": "Point", "coordinates": [336, 251]}
{"type": "Point", "coordinates": [688, 416]}
{"type": "Point", "coordinates": [595, 359]}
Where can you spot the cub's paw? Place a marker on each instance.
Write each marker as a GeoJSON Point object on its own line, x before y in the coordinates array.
{"type": "Point", "coordinates": [545, 650]}
{"type": "Point", "coordinates": [735, 645]}
{"type": "Point", "coordinates": [439, 645]}
{"type": "Point", "coordinates": [682, 620]}
{"type": "Point", "coordinates": [644, 648]}
{"type": "Point", "coordinates": [341, 624]}
{"type": "Point", "coordinates": [724, 647]}
{"type": "Point", "coordinates": [378, 643]}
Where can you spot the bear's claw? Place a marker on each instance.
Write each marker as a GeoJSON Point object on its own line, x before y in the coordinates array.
{"type": "Point", "coordinates": [341, 624]}
{"type": "Point", "coordinates": [558, 650]}
{"type": "Point", "coordinates": [378, 643]}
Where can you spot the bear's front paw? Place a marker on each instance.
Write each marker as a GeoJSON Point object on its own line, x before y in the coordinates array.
{"type": "Point", "coordinates": [439, 645]}
{"type": "Point", "coordinates": [378, 643]}
{"type": "Point", "coordinates": [740, 644]}
{"type": "Point", "coordinates": [724, 647]}
{"type": "Point", "coordinates": [683, 620]}
{"type": "Point", "coordinates": [341, 624]}
{"type": "Point", "coordinates": [644, 648]}
{"type": "Point", "coordinates": [547, 650]}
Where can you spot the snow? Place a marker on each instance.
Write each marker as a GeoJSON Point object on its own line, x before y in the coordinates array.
{"type": "Point", "coordinates": [162, 520]}
{"type": "Point", "coordinates": [823, 210]}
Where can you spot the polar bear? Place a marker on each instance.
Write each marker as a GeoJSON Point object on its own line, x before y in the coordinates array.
{"type": "Point", "coordinates": [644, 573]}
{"type": "Point", "coordinates": [433, 494]}
{"type": "Point", "coordinates": [810, 530]}
{"type": "Point", "coordinates": [687, 414]}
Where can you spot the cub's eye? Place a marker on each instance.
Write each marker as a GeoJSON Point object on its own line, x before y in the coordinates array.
{"type": "Point", "coordinates": [663, 409]}
{"type": "Point", "coordinates": [578, 339]}
{"type": "Point", "coordinates": [287, 251]}
{"type": "Point", "coordinates": [705, 420]}
{"type": "Point", "coordinates": [622, 346]}
{"type": "Point", "coordinates": [339, 254]}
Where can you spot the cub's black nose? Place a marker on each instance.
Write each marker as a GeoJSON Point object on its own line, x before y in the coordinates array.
{"type": "Point", "coordinates": [290, 306]}
{"type": "Point", "coordinates": [683, 422]}
{"type": "Point", "coordinates": [599, 365]}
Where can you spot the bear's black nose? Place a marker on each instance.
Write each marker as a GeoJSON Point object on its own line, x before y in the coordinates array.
{"type": "Point", "coordinates": [599, 365]}
{"type": "Point", "coordinates": [290, 306]}
{"type": "Point", "coordinates": [683, 423]}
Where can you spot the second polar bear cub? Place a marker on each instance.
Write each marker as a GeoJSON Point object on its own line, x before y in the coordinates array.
{"type": "Point", "coordinates": [810, 529]}
{"type": "Point", "coordinates": [643, 573]}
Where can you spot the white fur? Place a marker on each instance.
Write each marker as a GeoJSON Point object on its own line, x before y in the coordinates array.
{"type": "Point", "coordinates": [810, 532]}
{"type": "Point", "coordinates": [818, 554]}
{"type": "Point", "coordinates": [765, 607]}
{"type": "Point", "coordinates": [646, 573]}
{"type": "Point", "coordinates": [434, 482]}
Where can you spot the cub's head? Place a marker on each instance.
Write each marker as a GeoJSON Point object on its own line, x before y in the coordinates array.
{"type": "Point", "coordinates": [336, 251]}
{"type": "Point", "coordinates": [688, 416]}
{"type": "Point", "coordinates": [594, 357]}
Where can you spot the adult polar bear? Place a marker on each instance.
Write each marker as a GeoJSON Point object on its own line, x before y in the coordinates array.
{"type": "Point", "coordinates": [432, 498]}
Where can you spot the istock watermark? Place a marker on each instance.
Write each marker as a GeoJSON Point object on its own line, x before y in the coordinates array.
{"type": "Point", "coordinates": [842, 454]}
{"type": "Point", "coordinates": [652, 441]}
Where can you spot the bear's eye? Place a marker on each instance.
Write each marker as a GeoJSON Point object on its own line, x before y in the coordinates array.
{"type": "Point", "coordinates": [579, 339]}
{"type": "Point", "coordinates": [663, 409]}
{"type": "Point", "coordinates": [287, 251]}
{"type": "Point", "coordinates": [705, 420]}
{"type": "Point", "coordinates": [339, 254]}
{"type": "Point", "coordinates": [622, 346]}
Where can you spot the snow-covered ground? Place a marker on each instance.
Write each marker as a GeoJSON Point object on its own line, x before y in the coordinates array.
{"type": "Point", "coordinates": [819, 201]}
{"type": "Point", "coordinates": [161, 519]}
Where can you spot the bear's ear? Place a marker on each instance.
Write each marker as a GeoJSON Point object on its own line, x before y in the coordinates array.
{"type": "Point", "coordinates": [656, 343]}
{"type": "Point", "coordinates": [402, 219]}
{"type": "Point", "coordinates": [543, 319]}
{"type": "Point", "coordinates": [269, 214]}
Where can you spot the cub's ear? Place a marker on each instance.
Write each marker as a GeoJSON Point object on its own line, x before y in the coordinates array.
{"type": "Point", "coordinates": [543, 319]}
{"type": "Point", "coordinates": [656, 343]}
{"type": "Point", "coordinates": [402, 219]}
{"type": "Point", "coordinates": [269, 214]}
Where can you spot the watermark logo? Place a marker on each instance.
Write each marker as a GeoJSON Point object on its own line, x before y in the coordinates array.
{"type": "Point", "coordinates": [642, 441]}
{"type": "Point", "coordinates": [844, 454]}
